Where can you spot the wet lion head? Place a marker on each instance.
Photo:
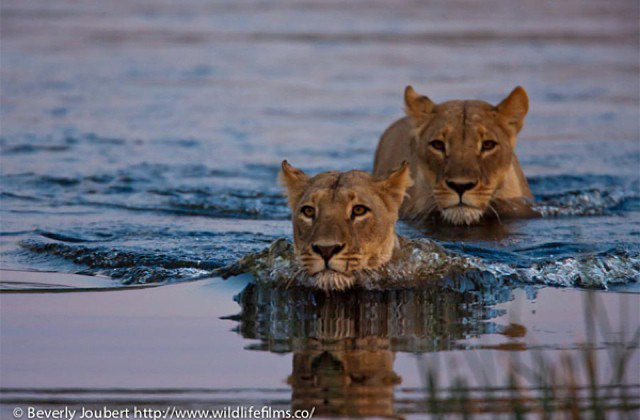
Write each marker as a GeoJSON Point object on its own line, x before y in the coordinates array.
{"type": "Point", "coordinates": [343, 222]}
{"type": "Point", "coordinates": [464, 150]}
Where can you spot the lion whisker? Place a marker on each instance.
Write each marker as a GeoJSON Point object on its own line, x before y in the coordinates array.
{"type": "Point", "coordinates": [495, 212]}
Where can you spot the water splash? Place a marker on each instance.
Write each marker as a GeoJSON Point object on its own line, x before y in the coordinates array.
{"type": "Point", "coordinates": [422, 263]}
{"type": "Point", "coordinates": [592, 202]}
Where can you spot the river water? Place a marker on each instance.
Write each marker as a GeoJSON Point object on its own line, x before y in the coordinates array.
{"type": "Point", "coordinates": [141, 143]}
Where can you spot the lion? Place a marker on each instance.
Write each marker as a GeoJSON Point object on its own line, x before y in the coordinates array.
{"type": "Point", "coordinates": [462, 158]}
{"type": "Point", "coordinates": [344, 222]}
{"type": "Point", "coordinates": [345, 377]}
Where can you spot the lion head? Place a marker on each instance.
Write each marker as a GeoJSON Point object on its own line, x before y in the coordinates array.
{"type": "Point", "coordinates": [343, 223]}
{"type": "Point", "coordinates": [464, 150]}
{"type": "Point", "coordinates": [346, 377]}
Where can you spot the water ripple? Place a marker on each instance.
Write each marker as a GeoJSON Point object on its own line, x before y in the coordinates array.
{"type": "Point", "coordinates": [423, 263]}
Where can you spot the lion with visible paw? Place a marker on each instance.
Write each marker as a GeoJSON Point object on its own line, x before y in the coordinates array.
{"type": "Point", "coordinates": [462, 158]}
{"type": "Point", "coordinates": [344, 223]}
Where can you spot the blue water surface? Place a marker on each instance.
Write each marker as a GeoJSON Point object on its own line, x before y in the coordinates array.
{"type": "Point", "coordinates": [144, 144]}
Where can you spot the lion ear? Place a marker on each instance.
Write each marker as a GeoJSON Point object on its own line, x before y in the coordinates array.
{"type": "Point", "coordinates": [514, 108]}
{"type": "Point", "coordinates": [417, 106]}
{"type": "Point", "coordinates": [294, 181]}
{"type": "Point", "coordinates": [396, 184]}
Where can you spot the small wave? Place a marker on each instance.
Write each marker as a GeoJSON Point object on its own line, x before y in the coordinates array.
{"type": "Point", "coordinates": [214, 205]}
{"type": "Point", "coordinates": [70, 237]}
{"type": "Point", "coordinates": [583, 195]}
{"type": "Point", "coordinates": [593, 202]}
{"type": "Point", "coordinates": [127, 266]}
{"type": "Point", "coordinates": [558, 184]}
{"type": "Point", "coordinates": [597, 271]}
{"type": "Point", "coordinates": [18, 196]}
{"type": "Point", "coordinates": [135, 254]}
{"type": "Point", "coordinates": [240, 204]}
{"type": "Point", "coordinates": [421, 262]}
{"type": "Point", "coordinates": [153, 188]}
{"type": "Point", "coordinates": [32, 148]}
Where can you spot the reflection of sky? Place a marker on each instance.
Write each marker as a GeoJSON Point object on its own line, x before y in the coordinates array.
{"type": "Point", "coordinates": [172, 336]}
{"type": "Point", "coordinates": [164, 337]}
{"type": "Point", "coordinates": [556, 325]}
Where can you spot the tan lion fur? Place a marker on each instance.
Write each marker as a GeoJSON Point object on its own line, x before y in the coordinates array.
{"type": "Point", "coordinates": [368, 241]}
{"type": "Point", "coordinates": [463, 126]}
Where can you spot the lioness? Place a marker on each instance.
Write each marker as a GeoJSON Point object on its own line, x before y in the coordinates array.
{"type": "Point", "coordinates": [462, 158]}
{"type": "Point", "coordinates": [343, 223]}
{"type": "Point", "coordinates": [345, 376]}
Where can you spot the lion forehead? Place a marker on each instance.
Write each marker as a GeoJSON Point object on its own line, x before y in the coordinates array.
{"type": "Point", "coordinates": [336, 193]}
{"type": "Point", "coordinates": [345, 196]}
{"type": "Point", "coordinates": [460, 119]}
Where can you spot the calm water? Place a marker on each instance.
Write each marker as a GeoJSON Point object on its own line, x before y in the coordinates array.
{"type": "Point", "coordinates": [142, 142]}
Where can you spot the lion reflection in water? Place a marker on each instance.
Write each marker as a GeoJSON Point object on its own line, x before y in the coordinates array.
{"type": "Point", "coordinates": [344, 344]}
{"type": "Point", "coordinates": [351, 377]}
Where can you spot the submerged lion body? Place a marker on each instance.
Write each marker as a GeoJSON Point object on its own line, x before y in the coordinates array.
{"type": "Point", "coordinates": [462, 159]}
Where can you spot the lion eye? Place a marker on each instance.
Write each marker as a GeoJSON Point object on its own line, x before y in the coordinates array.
{"type": "Point", "coordinates": [489, 145]}
{"type": "Point", "coordinates": [437, 144]}
{"type": "Point", "coordinates": [359, 210]}
{"type": "Point", "coordinates": [308, 211]}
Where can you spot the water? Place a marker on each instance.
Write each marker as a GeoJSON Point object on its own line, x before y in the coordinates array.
{"type": "Point", "coordinates": [211, 344]}
{"type": "Point", "coordinates": [141, 144]}
{"type": "Point", "coordinates": [122, 160]}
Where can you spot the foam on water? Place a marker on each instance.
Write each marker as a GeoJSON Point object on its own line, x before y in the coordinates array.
{"type": "Point", "coordinates": [423, 263]}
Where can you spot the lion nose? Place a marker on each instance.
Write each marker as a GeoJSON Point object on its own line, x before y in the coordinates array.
{"type": "Point", "coordinates": [461, 187]}
{"type": "Point", "coordinates": [327, 251]}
